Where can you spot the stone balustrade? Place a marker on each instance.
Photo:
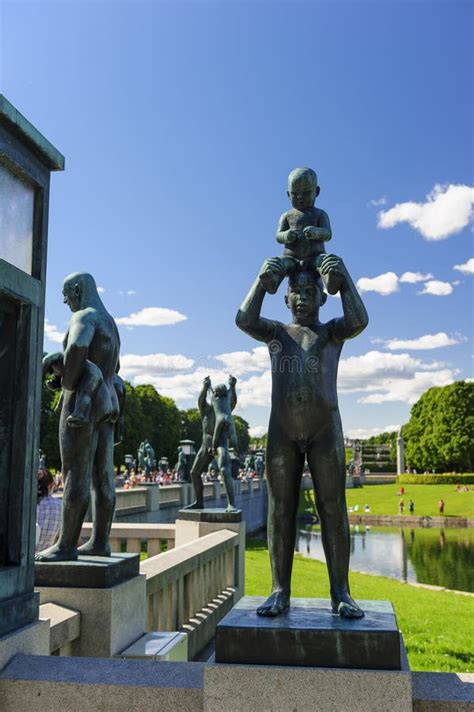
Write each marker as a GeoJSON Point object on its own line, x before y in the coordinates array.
{"type": "Point", "coordinates": [190, 588]}
{"type": "Point", "coordinates": [64, 626]}
{"type": "Point", "coordinates": [153, 538]}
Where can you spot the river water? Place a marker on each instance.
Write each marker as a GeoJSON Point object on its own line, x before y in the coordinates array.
{"type": "Point", "coordinates": [441, 557]}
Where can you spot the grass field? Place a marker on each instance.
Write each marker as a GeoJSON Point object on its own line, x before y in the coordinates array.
{"type": "Point", "coordinates": [437, 626]}
{"type": "Point", "coordinates": [383, 499]}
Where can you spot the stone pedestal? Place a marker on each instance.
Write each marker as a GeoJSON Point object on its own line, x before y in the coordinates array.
{"type": "Point", "coordinates": [217, 515]}
{"type": "Point", "coordinates": [309, 634]}
{"type": "Point", "coordinates": [195, 523]}
{"type": "Point", "coordinates": [109, 596]}
{"type": "Point", "coordinates": [88, 571]}
{"type": "Point", "coordinates": [247, 688]}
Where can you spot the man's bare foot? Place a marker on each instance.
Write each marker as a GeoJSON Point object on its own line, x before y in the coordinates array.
{"type": "Point", "coordinates": [195, 505]}
{"type": "Point", "coordinates": [346, 607]}
{"type": "Point", "coordinates": [55, 553]}
{"type": "Point", "coordinates": [90, 548]}
{"type": "Point", "coordinates": [76, 421]}
{"type": "Point", "coordinates": [275, 604]}
{"type": "Point", "coordinates": [231, 508]}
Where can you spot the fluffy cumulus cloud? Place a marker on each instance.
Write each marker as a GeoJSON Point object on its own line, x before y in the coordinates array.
{"type": "Point", "coordinates": [387, 377]}
{"type": "Point", "coordinates": [132, 365]}
{"type": "Point", "coordinates": [467, 267]}
{"type": "Point", "coordinates": [52, 333]}
{"type": "Point", "coordinates": [428, 341]}
{"type": "Point", "coordinates": [241, 362]}
{"type": "Point", "coordinates": [364, 433]}
{"type": "Point", "coordinates": [437, 288]}
{"type": "Point", "coordinates": [258, 431]}
{"type": "Point", "coordinates": [446, 211]}
{"type": "Point", "coordinates": [152, 316]}
{"type": "Point", "coordinates": [384, 284]}
{"type": "Point", "coordinates": [414, 277]}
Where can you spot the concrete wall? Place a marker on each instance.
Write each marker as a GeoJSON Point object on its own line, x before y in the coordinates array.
{"type": "Point", "coordinates": [151, 504]}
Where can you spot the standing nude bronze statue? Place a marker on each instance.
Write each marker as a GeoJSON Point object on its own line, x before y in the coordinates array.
{"type": "Point", "coordinates": [305, 420]}
{"type": "Point", "coordinates": [91, 404]}
{"type": "Point", "coordinates": [217, 435]}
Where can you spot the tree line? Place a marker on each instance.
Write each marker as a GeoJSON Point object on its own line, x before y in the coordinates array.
{"type": "Point", "coordinates": [439, 435]}
{"type": "Point", "coordinates": [147, 415]}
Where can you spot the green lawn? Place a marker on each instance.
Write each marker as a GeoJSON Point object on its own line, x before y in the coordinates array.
{"type": "Point", "coordinates": [437, 626]}
{"type": "Point", "coordinates": [383, 499]}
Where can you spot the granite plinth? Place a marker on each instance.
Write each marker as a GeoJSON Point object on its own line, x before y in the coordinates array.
{"type": "Point", "coordinates": [213, 516]}
{"type": "Point", "coordinates": [88, 571]}
{"type": "Point", "coordinates": [309, 634]}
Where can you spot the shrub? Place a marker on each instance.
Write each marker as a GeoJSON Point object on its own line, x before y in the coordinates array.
{"type": "Point", "coordinates": [447, 478]}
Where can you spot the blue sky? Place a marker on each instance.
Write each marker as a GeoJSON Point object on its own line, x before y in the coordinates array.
{"type": "Point", "coordinates": [180, 122]}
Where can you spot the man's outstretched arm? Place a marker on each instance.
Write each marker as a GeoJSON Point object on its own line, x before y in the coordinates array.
{"type": "Point", "coordinates": [248, 317]}
{"type": "Point", "coordinates": [202, 399]}
{"type": "Point", "coordinates": [355, 317]}
{"type": "Point", "coordinates": [232, 392]}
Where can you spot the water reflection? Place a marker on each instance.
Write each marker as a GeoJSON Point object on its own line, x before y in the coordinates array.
{"type": "Point", "coordinates": [434, 556]}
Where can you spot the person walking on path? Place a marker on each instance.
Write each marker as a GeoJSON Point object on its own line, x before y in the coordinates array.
{"type": "Point", "coordinates": [441, 506]}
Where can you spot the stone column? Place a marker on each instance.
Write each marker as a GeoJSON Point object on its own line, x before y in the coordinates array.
{"type": "Point", "coordinates": [400, 454]}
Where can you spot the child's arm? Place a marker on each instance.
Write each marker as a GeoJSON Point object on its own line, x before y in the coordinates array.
{"type": "Point", "coordinates": [323, 232]}
{"type": "Point", "coordinates": [284, 235]}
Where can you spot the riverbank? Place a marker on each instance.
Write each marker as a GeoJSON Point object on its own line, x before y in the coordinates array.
{"type": "Point", "coordinates": [401, 520]}
{"type": "Point", "coordinates": [437, 625]}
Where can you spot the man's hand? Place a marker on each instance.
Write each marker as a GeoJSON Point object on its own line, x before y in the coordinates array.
{"type": "Point", "coordinates": [331, 265]}
{"type": "Point", "coordinates": [232, 381]}
{"type": "Point", "coordinates": [207, 382]}
{"type": "Point", "coordinates": [273, 265]}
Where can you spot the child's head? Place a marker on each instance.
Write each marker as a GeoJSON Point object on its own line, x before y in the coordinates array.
{"type": "Point", "coordinates": [303, 188]}
{"type": "Point", "coordinates": [220, 390]}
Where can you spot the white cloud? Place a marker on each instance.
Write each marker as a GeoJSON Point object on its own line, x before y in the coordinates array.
{"type": "Point", "coordinates": [428, 341]}
{"type": "Point", "coordinates": [467, 267]}
{"type": "Point", "coordinates": [133, 365]}
{"type": "Point", "coordinates": [378, 201]}
{"type": "Point", "coordinates": [446, 211]}
{"type": "Point", "coordinates": [437, 288]}
{"type": "Point", "coordinates": [414, 277]}
{"type": "Point", "coordinates": [52, 333]}
{"type": "Point", "coordinates": [152, 316]}
{"type": "Point", "coordinates": [388, 377]}
{"type": "Point", "coordinates": [130, 292]}
{"type": "Point", "coordinates": [101, 290]}
{"type": "Point", "coordinates": [384, 284]}
{"type": "Point", "coordinates": [258, 431]}
{"type": "Point", "coordinates": [240, 362]}
{"type": "Point", "coordinates": [364, 433]}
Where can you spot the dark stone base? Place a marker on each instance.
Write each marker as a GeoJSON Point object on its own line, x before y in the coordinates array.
{"type": "Point", "coordinates": [217, 515]}
{"type": "Point", "coordinates": [309, 634]}
{"type": "Point", "coordinates": [18, 612]}
{"type": "Point", "coordinates": [88, 571]}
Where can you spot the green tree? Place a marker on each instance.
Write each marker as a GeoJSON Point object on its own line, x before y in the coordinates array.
{"type": "Point", "coordinates": [192, 426]}
{"type": "Point", "coordinates": [440, 432]}
{"type": "Point", "coordinates": [49, 427]}
{"type": "Point", "coordinates": [149, 415]}
{"type": "Point", "coordinates": [243, 436]}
